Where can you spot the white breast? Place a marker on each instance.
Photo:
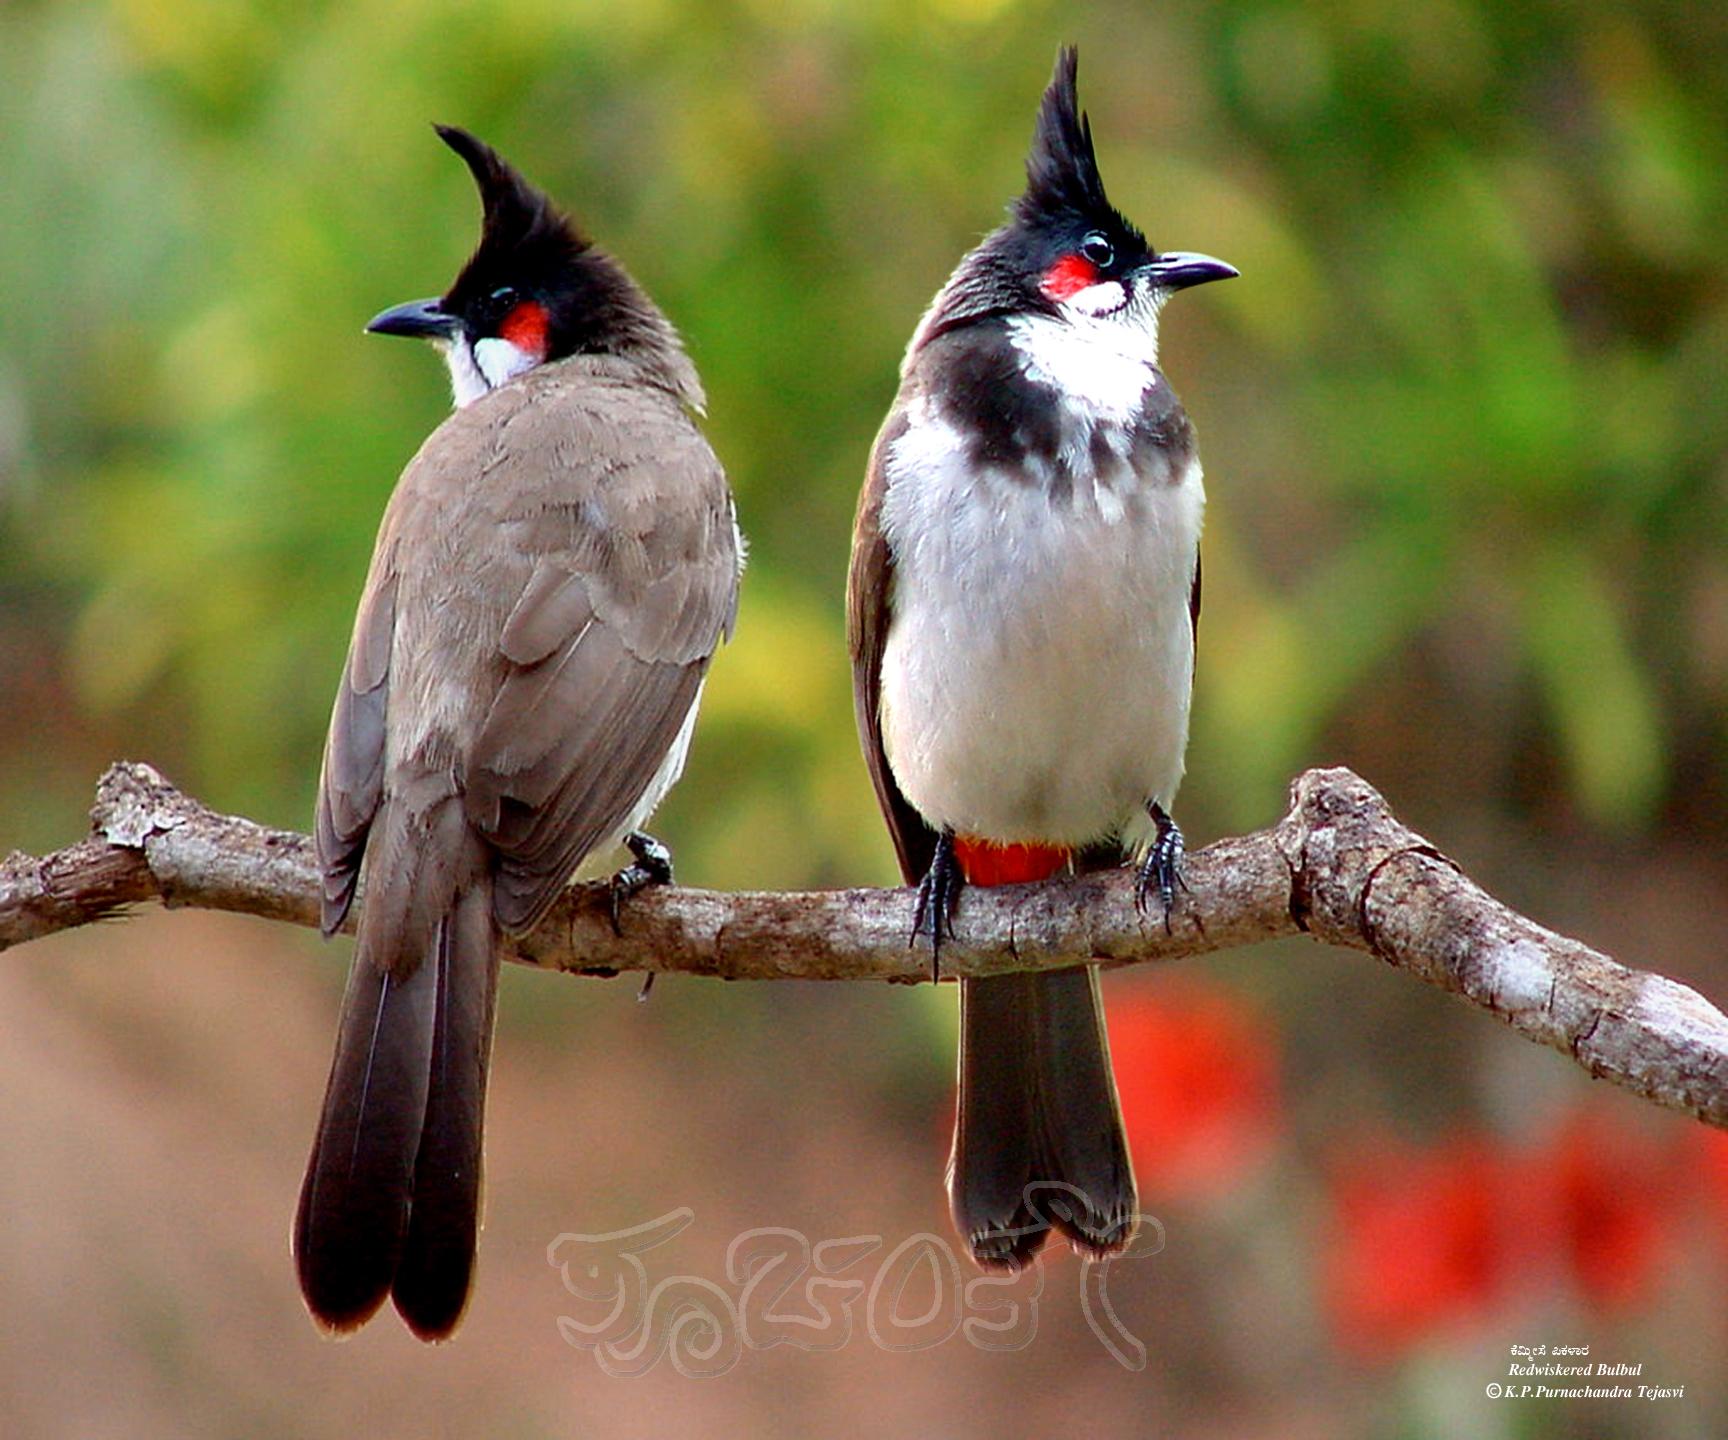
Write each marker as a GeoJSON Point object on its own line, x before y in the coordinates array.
{"type": "Point", "coordinates": [1039, 657]}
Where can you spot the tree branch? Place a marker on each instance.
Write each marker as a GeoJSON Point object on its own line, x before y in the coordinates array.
{"type": "Point", "coordinates": [1339, 867]}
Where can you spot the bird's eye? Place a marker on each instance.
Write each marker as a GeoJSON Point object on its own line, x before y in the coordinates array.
{"type": "Point", "coordinates": [1096, 248]}
{"type": "Point", "coordinates": [502, 300]}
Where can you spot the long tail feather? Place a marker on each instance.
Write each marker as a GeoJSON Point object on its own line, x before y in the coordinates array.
{"type": "Point", "coordinates": [1038, 1140]}
{"type": "Point", "coordinates": [437, 1263]}
{"type": "Point", "coordinates": [391, 1201]}
{"type": "Point", "coordinates": [353, 1210]}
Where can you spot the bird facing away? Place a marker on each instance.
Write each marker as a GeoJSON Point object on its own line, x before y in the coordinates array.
{"type": "Point", "coordinates": [554, 572]}
{"type": "Point", "coordinates": [1022, 604]}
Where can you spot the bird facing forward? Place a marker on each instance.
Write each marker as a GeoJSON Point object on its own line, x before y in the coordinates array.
{"type": "Point", "coordinates": [1024, 591]}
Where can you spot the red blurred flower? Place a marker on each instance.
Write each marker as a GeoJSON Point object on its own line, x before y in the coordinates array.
{"type": "Point", "coordinates": [1612, 1194]}
{"type": "Point", "coordinates": [1197, 1072]}
{"type": "Point", "coordinates": [1710, 1160]}
{"type": "Point", "coordinates": [1425, 1240]}
{"type": "Point", "coordinates": [1417, 1242]}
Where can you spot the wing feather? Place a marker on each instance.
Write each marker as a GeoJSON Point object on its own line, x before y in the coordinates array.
{"type": "Point", "coordinates": [352, 780]}
{"type": "Point", "coordinates": [620, 567]}
{"type": "Point", "coordinates": [869, 601]}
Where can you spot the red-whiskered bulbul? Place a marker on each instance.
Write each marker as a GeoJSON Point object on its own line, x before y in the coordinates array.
{"type": "Point", "coordinates": [1022, 603]}
{"type": "Point", "coordinates": [555, 570]}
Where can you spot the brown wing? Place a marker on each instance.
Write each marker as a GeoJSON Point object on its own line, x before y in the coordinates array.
{"type": "Point", "coordinates": [1194, 608]}
{"type": "Point", "coordinates": [561, 563]}
{"type": "Point", "coordinates": [352, 781]}
{"type": "Point", "coordinates": [869, 594]}
{"type": "Point", "coordinates": [633, 581]}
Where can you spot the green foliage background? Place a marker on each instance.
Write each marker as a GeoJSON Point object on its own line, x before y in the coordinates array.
{"type": "Point", "coordinates": [1462, 415]}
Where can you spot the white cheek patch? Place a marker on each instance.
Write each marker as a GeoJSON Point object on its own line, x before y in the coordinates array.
{"type": "Point", "coordinates": [1104, 298]}
{"type": "Point", "coordinates": [477, 369]}
{"type": "Point", "coordinates": [467, 383]}
{"type": "Point", "coordinates": [501, 362]}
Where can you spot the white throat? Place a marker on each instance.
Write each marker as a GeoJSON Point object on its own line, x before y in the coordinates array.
{"type": "Point", "coordinates": [483, 366]}
{"type": "Point", "coordinates": [1100, 354]}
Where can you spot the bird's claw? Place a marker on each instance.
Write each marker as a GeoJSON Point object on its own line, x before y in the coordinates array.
{"type": "Point", "coordinates": [652, 865]}
{"type": "Point", "coordinates": [937, 892]}
{"type": "Point", "coordinates": [1161, 870]}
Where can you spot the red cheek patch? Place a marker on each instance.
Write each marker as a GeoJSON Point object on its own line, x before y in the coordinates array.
{"type": "Point", "coordinates": [526, 328]}
{"type": "Point", "coordinates": [1068, 276]}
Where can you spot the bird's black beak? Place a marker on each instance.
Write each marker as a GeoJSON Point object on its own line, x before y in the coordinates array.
{"type": "Point", "coordinates": [1177, 270]}
{"type": "Point", "coordinates": [421, 319]}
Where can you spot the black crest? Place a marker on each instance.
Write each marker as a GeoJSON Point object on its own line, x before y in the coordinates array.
{"type": "Point", "coordinates": [523, 234]}
{"type": "Point", "coordinates": [1062, 170]}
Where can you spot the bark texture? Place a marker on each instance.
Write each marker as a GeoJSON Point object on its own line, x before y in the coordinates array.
{"type": "Point", "coordinates": [1339, 867]}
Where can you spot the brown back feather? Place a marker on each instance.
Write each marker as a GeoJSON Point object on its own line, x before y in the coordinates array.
{"type": "Point", "coordinates": [556, 569]}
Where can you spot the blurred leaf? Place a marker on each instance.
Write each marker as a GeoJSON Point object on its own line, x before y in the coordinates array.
{"type": "Point", "coordinates": [1602, 705]}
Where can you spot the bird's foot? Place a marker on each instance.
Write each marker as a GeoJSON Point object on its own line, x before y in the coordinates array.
{"type": "Point", "coordinates": [937, 893]}
{"type": "Point", "coordinates": [652, 865]}
{"type": "Point", "coordinates": [1161, 870]}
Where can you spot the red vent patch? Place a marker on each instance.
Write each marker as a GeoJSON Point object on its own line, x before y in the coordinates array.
{"type": "Point", "coordinates": [983, 862]}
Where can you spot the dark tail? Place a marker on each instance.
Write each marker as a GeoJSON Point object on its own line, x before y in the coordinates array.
{"type": "Point", "coordinates": [391, 1200]}
{"type": "Point", "coordinates": [1038, 1142]}
{"type": "Point", "coordinates": [437, 1267]}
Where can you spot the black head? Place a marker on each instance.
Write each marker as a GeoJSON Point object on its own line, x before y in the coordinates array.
{"type": "Point", "coordinates": [534, 290]}
{"type": "Point", "coordinates": [1064, 191]}
{"type": "Point", "coordinates": [1065, 246]}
